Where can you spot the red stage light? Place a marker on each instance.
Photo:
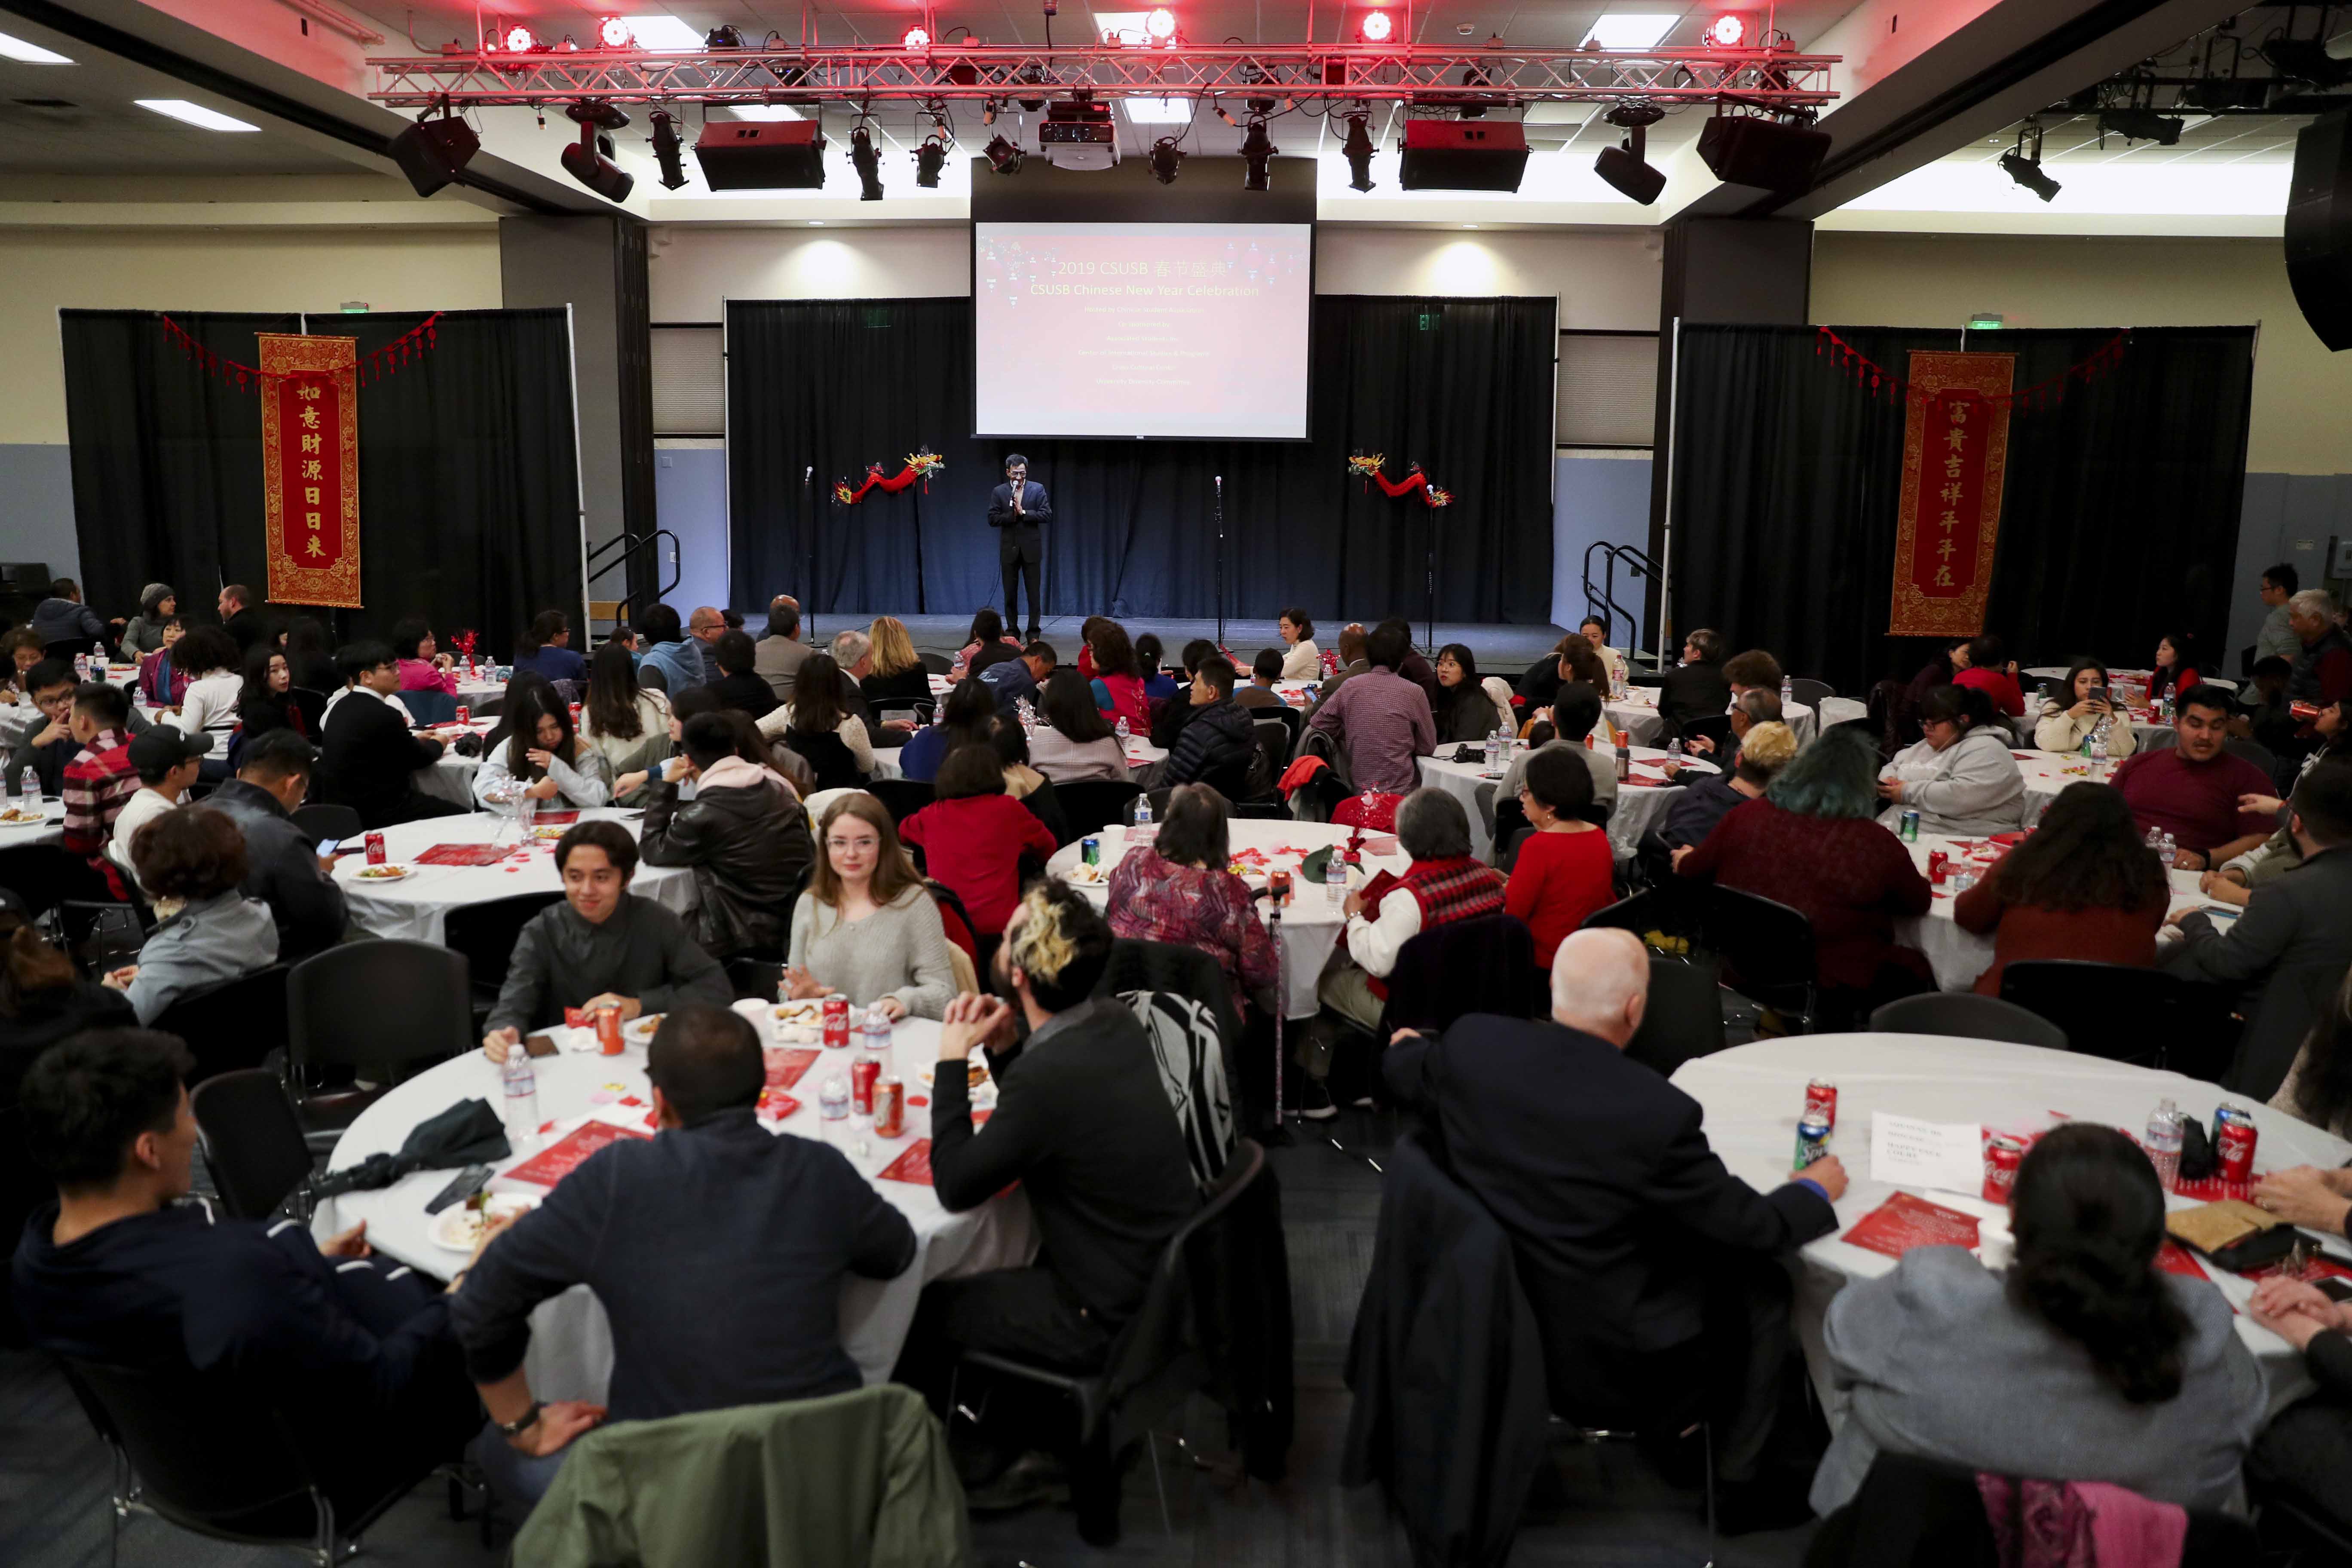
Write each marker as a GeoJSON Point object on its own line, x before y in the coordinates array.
{"type": "Point", "coordinates": [1161, 25]}
{"type": "Point", "coordinates": [614, 33]}
{"type": "Point", "coordinates": [1727, 31]}
{"type": "Point", "coordinates": [1376, 27]}
{"type": "Point", "coordinates": [918, 37]}
{"type": "Point", "coordinates": [516, 39]}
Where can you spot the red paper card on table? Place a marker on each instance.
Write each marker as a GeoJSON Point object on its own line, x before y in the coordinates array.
{"type": "Point", "coordinates": [776, 1105]}
{"type": "Point", "coordinates": [1904, 1222]}
{"type": "Point", "coordinates": [913, 1166]}
{"type": "Point", "coordinates": [555, 818]}
{"type": "Point", "coordinates": [462, 855]}
{"type": "Point", "coordinates": [563, 1156]}
{"type": "Point", "coordinates": [797, 1062]}
{"type": "Point", "coordinates": [2174, 1258]}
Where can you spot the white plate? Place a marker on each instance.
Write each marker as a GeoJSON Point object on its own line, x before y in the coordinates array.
{"type": "Point", "coordinates": [386, 873]}
{"type": "Point", "coordinates": [639, 1030]}
{"type": "Point", "coordinates": [41, 821]}
{"type": "Point", "coordinates": [454, 1228]}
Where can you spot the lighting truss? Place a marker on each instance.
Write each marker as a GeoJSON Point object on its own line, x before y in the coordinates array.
{"type": "Point", "coordinates": [1425, 76]}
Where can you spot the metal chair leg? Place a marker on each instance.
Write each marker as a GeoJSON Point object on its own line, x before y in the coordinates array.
{"type": "Point", "coordinates": [1706, 1449]}
{"type": "Point", "coordinates": [1151, 1446]}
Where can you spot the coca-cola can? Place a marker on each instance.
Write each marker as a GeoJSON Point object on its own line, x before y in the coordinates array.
{"type": "Point", "coordinates": [836, 1023]}
{"type": "Point", "coordinates": [465, 715]}
{"type": "Point", "coordinates": [2233, 1141]}
{"type": "Point", "coordinates": [2003, 1155]}
{"type": "Point", "coordinates": [862, 1076]}
{"type": "Point", "coordinates": [375, 848]}
{"type": "Point", "coordinates": [608, 1030]}
{"type": "Point", "coordinates": [889, 1108]}
{"type": "Point", "coordinates": [575, 715]}
{"type": "Point", "coordinates": [1938, 863]}
{"type": "Point", "coordinates": [1820, 1100]}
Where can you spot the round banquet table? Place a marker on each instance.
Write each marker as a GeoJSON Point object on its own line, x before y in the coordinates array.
{"type": "Point", "coordinates": [50, 829]}
{"type": "Point", "coordinates": [416, 906]}
{"type": "Point", "coordinates": [570, 1354]}
{"type": "Point", "coordinates": [452, 778]}
{"type": "Point", "coordinates": [1752, 1094]}
{"type": "Point", "coordinates": [480, 694]}
{"type": "Point", "coordinates": [1958, 956]}
{"type": "Point", "coordinates": [1636, 714]}
{"type": "Point", "coordinates": [1641, 803]}
{"type": "Point", "coordinates": [1310, 925]}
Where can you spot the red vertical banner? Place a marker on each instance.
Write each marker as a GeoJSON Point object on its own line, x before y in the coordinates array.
{"type": "Point", "coordinates": [311, 468]}
{"type": "Point", "coordinates": [1955, 456]}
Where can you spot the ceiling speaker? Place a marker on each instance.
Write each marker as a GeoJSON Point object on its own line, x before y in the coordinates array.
{"type": "Point", "coordinates": [1745, 151]}
{"type": "Point", "coordinates": [2319, 228]}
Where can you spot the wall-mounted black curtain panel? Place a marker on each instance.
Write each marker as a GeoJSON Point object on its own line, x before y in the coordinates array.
{"type": "Point", "coordinates": [2120, 510]}
{"type": "Point", "coordinates": [469, 504]}
{"type": "Point", "coordinates": [1463, 387]}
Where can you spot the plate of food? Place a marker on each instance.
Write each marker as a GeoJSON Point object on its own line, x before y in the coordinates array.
{"type": "Point", "coordinates": [385, 873]}
{"type": "Point", "coordinates": [459, 1228]}
{"type": "Point", "coordinates": [975, 1075]}
{"type": "Point", "coordinates": [1084, 875]}
{"type": "Point", "coordinates": [808, 1011]}
{"type": "Point", "coordinates": [639, 1030]}
{"type": "Point", "coordinates": [549, 834]}
{"type": "Point", "coordinates": [19, 816]}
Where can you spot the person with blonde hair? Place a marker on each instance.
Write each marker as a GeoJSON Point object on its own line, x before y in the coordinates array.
{"type": "Point", "coordinates": [897, 677]}
{"type": "Point", "coordinates": [1707, 798]}
{"type": "Point", "coordinates": [866, 926]}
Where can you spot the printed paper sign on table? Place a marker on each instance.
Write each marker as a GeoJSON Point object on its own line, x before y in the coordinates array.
{"type": "Point", "coordinates": [1906, 1152]}
{"type": "Point", "coordinates": [311, 468]}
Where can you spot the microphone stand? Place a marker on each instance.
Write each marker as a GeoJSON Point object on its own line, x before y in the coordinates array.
{"type": "Point", "coordinates": [808, 489]}
{"type": "Point", "coordinates": [1221, 560]}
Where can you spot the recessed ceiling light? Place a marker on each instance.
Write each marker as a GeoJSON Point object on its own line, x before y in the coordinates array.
{"type": "Point", "coordinates": [1159, 111]}
{"type": "Point", "coordinates": [816, 223]}
{"type": "Point", "coordinates": [766, 111]}
{"type": "Point", "coordinates": [1469, 226]}
{"type": "Point", "coordinates": [1629, 30]}
{"type": "Point", "coordinates": [665, 33]}
{"type": "Point", "coordinates": [29, 54]}
{"type": "Point", "coordinates": [193, 113]}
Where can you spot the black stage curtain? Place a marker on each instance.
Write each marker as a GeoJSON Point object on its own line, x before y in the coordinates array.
{"type": "Point", "coordinates": [1463, 387]}
{"type": "Point", "coordinates": [2120, 512]}
{"type": "Point", "coordinates": [470, 503]}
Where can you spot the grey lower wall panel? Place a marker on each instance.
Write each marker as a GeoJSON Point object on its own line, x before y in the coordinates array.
{"type": "Point", "coordinates": [36, 515]}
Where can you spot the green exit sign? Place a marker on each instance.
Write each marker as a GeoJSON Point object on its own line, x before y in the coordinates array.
{"type": "Point", "coordinates": [1430, 319]}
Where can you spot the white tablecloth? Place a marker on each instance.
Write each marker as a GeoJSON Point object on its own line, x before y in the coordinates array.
{"type": "Point", "coordinates": [452, 778]}
{"type": "Point", "coordinates": [1636, 714]}
{"type": "Point", "coordinates": [1752, 1094]}
{"type": "Point", "coordinates": [572, 1343]}
{"type": "Point", "coordinates": [1310, 926]}
{"type": "Point", "coordinates": [50, 830]}
{"type": "Point", "coordinates": [1957, 956]}
{"type": "Point", "coordinates": [481, 696]}
{"type": "Point", "coordinates": [416, 906]}
{"type": "Point", "coordinates": [1473, 786]}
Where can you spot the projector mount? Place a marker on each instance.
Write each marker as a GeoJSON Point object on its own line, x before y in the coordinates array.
{"type": "Point", "coordinates": [1780, 81]}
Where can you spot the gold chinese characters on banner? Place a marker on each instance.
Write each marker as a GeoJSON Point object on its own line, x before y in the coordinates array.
{"type": "Point", "coordinates": [1955, 454]}
{"type": "Point", "coordinates": [311, 468]}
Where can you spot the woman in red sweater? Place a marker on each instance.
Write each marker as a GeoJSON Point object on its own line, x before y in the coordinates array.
{"type": "Point", "coordinates": [1811, 843]}
{"type": "Point", "coordinates": [1992, 671]}
{"type": "Point", "coordinates": [2176, 668]}
{"type": "Point", "coordinates": [1565, 869]}
{"type": "Point", "coordinates": [2083, 885]}
{"type": "Point", "coordinates": [973, 836]}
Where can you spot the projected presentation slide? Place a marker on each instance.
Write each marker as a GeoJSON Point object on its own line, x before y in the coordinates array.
{"type": "Point", "coordinates": [1141, 328]}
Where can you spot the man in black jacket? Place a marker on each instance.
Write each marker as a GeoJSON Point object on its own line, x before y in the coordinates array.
{"type": "Point", "coordinates": [282, 866]}
{"type": "Point", "coordinates": [718, 1249]}
{"type": "Point", "coordinates": [1018, 510]}
{"type": "Point", "coordinates": [239, 618]}
{"type": "Point", "coordinates": [1652, 1270]}
{"type": "Point", "coordinates": [1218, 740]}
{"type": "Point", "coordinates": [124, 1270]}
{"type": "Point", "coordinates": [747, 840]}
{"type": "Point", "coordinates": [1082, 1123]}
{"type": "Point", "coordinates": [1694, 691]}
{"type": "Point", "coordinates": [369, 750]}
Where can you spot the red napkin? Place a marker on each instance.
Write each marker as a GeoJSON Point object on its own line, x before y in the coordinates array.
{"type": "Point", "coordinates": [554, 818]}
{"type": "Point", "coordinates": [560, 1159]}
{"type": "Point", "coordinates": [1904, 1222]}
{"type": "Point", "coordinates": [2175, 1258]}
{"type": "Point", "coordinates": [776, 1105]}
{"type": "Point", "coordinates": [913, 1166]}
{"type": "Point", "coordinates": [797, 1061]}
{"type": "Point", "coordinates": [462, 855]}
{"type": "Point", "coordinates": [1384, 845]}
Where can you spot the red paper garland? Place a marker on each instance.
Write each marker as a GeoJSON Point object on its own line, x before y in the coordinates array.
{"type": "Point", "coordinates": [374, 365]}
{"type": "Point", "coordinates": [1884, 383]}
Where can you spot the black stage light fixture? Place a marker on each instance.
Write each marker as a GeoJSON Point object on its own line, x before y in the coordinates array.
{"type": "Point", "coordinates": [727, 35]}
{"type": "Point", "coordinates": [2307, 59]}
{"type": "Point", "coordinates": [1166, 159]}
{"type": "Point", "coordinates": [668, 150]}
{"type": "Point", "coordinates": [1257, 153]}
{"type": "Point", "coordinates": [929, 157]}
{"type": "Point", "coordinates": [431, 152]}
{"type": "Point", "coordinates": [2025, 167]}
{"type": "Point", "coordinates": [1003, 156]}
{"type": "Point", "coordinates": [590, 158]}
{"type": "Point", "coordinates": [1770, 154]}
{"type": "Point", "coordinates": [868, 163]}
{"type": "Point", "coordinates": [1358, 150]}
{"type": "Point", "coordinates": [2141, 125]}
{"type": "Point", "coordinates": [1625, 167]}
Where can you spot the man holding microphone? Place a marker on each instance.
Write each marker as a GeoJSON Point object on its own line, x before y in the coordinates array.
{"type": "Point", "coordinates": [1018, 510]}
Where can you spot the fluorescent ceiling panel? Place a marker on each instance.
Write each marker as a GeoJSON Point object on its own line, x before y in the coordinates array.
{"type": "Point", "coordinates": [194, 114]}
{"type": "Point", "coordinates": [29, 54]}
{"type": "Point", "coordinates": [766, 111]}
{"type": "Point", "coordinates": [1157, 110]}
{"type": "Point", "coordinates": [665, 33]}
{"type": "Point", "coordinates": [1629, 30]}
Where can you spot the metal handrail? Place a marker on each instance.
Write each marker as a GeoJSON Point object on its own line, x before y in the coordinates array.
{"type": "Point", "coordinates": [1602, 600]}
{"type": "Point", "coordinates": [629, 544]}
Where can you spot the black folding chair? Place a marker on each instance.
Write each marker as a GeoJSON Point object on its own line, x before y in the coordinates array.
{"type": "Point", "coordinates": [1154, 1365]}
{"type": "Point", "coordinates": [318, 821]}
{"type": "Point", "coordinates": [230, 1023]}
{"type": "Point", "coordinates": [429, 707]}
{"type": "Point", "coordinates": [1968, 1016]}
{"type": "Point", "coordinates": [1482, 965]}
{"type": "Point", "coordinates": [754, 977]}
{"type": "Point", "coordinates": [1811, 693]}
{"type": "Point", "coordinates": [1088, 805]}
{"type": "Point", "coordinates": [935, 663]}
{"type": "Point", "coordinates": [1767, 950]}
{"type": "Point", "coordinates": [312, 706]}
{"type": "Point", "coordinates": [2117, 1012]}
{"type": "Point", "coordinates": [901, 797]}
{"type": "Point", "coordinates": [1682, 1019]}
{"type": "Point", "coordinates": [485, 933]}
{"type": "Point", "coordinates": [253, 1143]}
{"type": "Point", "coordinates": [378, 1006]}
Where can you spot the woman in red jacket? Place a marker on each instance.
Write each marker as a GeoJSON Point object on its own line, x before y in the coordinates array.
{"type": "Point", "coordinates": [1992, 671]}
{"type": "Point", "coordinates": [1118, 683]}
{"type": "Point", "coordinates": [973, 836]}
{"type": "Point", "coordinates": [1565, 870]}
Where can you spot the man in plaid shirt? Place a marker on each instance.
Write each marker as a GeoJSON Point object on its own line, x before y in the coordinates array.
{"type": "Point", "coordinates": [100, 780]}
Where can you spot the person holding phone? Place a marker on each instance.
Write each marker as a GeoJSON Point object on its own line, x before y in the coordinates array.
{"type": "Point", "coordinates": [2069, 719]}
{"type": "Point", "coordinates": [1018, 510]}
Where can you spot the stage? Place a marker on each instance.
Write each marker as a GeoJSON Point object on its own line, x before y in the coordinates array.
{"type": "Point", "coordinates": [1500, 650]}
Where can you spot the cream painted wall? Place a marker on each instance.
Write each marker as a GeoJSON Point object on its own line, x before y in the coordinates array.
{"type": "Point", "coordinates": [407, 269]}
{"type": "Point", "coordinates": [2301, 390]}
{"type": "Point", "coordinates": [1604, 280]}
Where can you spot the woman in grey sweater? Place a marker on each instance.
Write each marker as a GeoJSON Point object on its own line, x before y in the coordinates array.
{"type": "Point", "coordinates": [2084, 1363]}
{"type": "Point", "coordinates": [867, 927]}
{"type": "Point", "coordinates": [193, 861]}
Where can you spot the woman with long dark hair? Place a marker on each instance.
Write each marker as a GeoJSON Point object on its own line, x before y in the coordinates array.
{"type": "Point", "coordinates": [2176, 667]}
{"type": "Point", "coordinates": [1118, 686]}
{"type": "Point", "coordinates": [819, 725]}
{"type": "Point", "coordinates": [1465, 709]}
{"type": "Point", "coordinates": [967, 716]}
{"type": "Point", "coordinates": [2070, 719]}
{"type": "Point", "coordinates": [1301, 659]}
{"type": "Point", "coordinates": [545, 645]}
{"type": "Point", "coordinates": [2084, 1363]}
{"type": "Point", "coordinates": [2083, 885]}
{"type": "Point", "coordinates": [1075, 743]}
{"type": "Point", "coordinates": [207, 656]}
{"type": "Point", "coordinates": [264, 702]}
{"type": "Point", "coordinates": [985, 643]}
{"type": "Point", "coordinates": [542, 752]}
{"type": "Point", "coordinates": [628, 722]}
{"type": "Point", "coordinates": [309, 655]}
{"type": "Point", "coordinates": [866, 926]}
{"type": "Point", "coordinates": [423, 666]}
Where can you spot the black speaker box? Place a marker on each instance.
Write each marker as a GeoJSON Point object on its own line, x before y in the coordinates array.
{"type": "Point", "coordinates": [1745, 151]}
{"type": "Point", "coordinates": [761, 155]}
{"type": "Point", "coordinates": [2319, 228]}
{"type": "Point", "coordinates": [1461, 155]}
{"type": "Point", "coordinates": [432, 151]}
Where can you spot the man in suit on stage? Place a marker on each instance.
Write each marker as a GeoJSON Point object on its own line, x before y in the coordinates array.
{"type": "Point", "coordinates": [1018, 511]}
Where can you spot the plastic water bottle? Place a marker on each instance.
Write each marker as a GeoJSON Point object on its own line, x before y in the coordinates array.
{"type": "Point", "coordinates": [1120, 729]}
{"type": "Point", "coordinates": [833, 1099]}
{"type": "Point", "coordinates": [82, 666]}
{"type": "Point", "coordinates": [2099, 751]}
{"type": "Point", "coordinates": [1493, 749]}
{"type": "Point", "coordinates": [1029, 716]}
{"type": "Point", "coordinates": [29, 789]}
{"type": "Point", "coordinates": [1335, 879]}
{"type": "Point", "coordinates": [2155, 840]}
{"type": "Point", "coordinates": [2164, 1143]}
{"type": "Point", "coordinates": [1675, 749]}
{"type": "Point", "coordinates": [1140, 830]}
{"type": "Point", "coordinates": [520, 1083]}
{"type": "Point", "coordinates": [2169, 850]}
{"type": "Point", "coordinates": [1788, 695]}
